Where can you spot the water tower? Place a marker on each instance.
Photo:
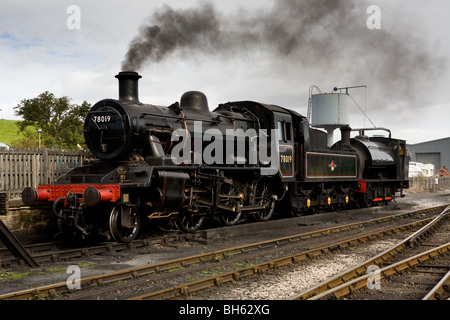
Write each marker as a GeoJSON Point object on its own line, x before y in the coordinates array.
{"type": "Point", "coordinates": [330, 111]}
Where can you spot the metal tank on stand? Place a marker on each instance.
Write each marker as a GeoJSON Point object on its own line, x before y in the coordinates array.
{"type": "Point", "coordinates": [330, 111]}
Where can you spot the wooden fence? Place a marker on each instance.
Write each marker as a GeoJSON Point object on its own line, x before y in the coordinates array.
{"type": "Point", "coordinates": [429, 183]}
{"type": "Point", "coordinates": [32, 167]}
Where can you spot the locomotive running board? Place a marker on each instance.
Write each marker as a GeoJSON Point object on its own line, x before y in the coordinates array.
{"type": "Point", "coordinates": [15, 246]}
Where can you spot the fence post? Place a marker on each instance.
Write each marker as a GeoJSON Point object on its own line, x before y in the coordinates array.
{"type": "Point", "coordinates": [46, 166]}
{"type": "Point", "coordinates": [1, 172]}
{"type": "Point", "coordinates": [34, 160]}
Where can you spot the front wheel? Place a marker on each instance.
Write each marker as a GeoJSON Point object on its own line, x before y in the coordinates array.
{"type": "Point", "coordinates": [124, 223]}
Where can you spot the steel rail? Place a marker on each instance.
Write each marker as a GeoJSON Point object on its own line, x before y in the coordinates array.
{"type": "Point", "coordinates": [376, 260]}
{"type": "Point", "coordinates": [396, 268]}
{"type": "Point", "coordinates": [441, 290]}
{"type": "Point", "coordinates": [52, 290]}
{"type": "Point", "coordinates": [422, 233]}
{"type": "Point", "coordinates": [188, 288]}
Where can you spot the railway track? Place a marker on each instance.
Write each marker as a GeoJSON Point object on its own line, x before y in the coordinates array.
{"type": "Point", "coordinates": [60, 251]}
{"type": "Point", "coordinates": [186, 290]}
{"type": "Point", "coordinates": [409, 270]}
{"type": "Point", "coordinates": [188, 264]}
{"type": "Point", "coordinates": [411, 278]}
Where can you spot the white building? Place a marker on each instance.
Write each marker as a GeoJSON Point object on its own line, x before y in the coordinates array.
{"type": "Point", "coordinates": [420, 169]}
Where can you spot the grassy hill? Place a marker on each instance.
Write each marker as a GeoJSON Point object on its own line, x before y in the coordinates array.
{"type": "Point", "coordinates": [8, 131]}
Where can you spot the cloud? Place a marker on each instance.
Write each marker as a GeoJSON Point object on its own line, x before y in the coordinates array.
{"type": "Point", "coordinates": [313, 39]}
{"type": "Point", "coordinates": [270, 51]}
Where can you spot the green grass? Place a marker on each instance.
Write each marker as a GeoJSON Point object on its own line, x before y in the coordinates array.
{"type": "Point", "coordinates": [8, 131]}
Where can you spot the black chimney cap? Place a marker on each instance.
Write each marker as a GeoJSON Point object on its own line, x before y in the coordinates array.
{"type": "Point", "coordinates": [128, 85]}
{"type": "Point", "coordinates": [127, 74]}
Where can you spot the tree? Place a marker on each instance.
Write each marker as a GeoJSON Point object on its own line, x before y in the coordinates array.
{"type": "Point", "coordinates": [61, 122]}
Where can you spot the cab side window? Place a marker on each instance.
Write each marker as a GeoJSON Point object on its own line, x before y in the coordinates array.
{"type": "Point", "coordinates": [284, 131]}
{"type": "Point", "coordinates": [280, 127]}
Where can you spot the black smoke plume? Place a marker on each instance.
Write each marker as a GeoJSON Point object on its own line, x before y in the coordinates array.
{"type": "Point", "coordinates": [289, 27]}
{"type": "Point", "coordinates": [170, 30]}
{"type": "Point", "coordinates": [330, 36]}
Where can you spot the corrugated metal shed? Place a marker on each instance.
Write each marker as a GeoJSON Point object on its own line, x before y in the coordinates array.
{"type": "Point", "coordinates": [436, 152]}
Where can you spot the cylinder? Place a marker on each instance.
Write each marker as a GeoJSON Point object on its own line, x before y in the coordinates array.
{"type": "Point", "coordinates": [330, 109]}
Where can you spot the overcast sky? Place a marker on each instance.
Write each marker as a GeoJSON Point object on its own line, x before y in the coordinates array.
{"type": "Point", "coordinates": [263, 50]}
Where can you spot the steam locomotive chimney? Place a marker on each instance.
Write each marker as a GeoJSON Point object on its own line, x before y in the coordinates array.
{"type": "Point", "coordinates": [345, 135]}
{"type": "Point", "coordinates": [128, 85]}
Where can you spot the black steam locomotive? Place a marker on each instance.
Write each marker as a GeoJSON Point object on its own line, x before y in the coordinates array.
{"type": "Point", "coordinates": [185, 163]}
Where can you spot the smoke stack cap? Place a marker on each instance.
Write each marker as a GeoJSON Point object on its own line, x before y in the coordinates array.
{"type": "Point", "coordinates": [128, 85]}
